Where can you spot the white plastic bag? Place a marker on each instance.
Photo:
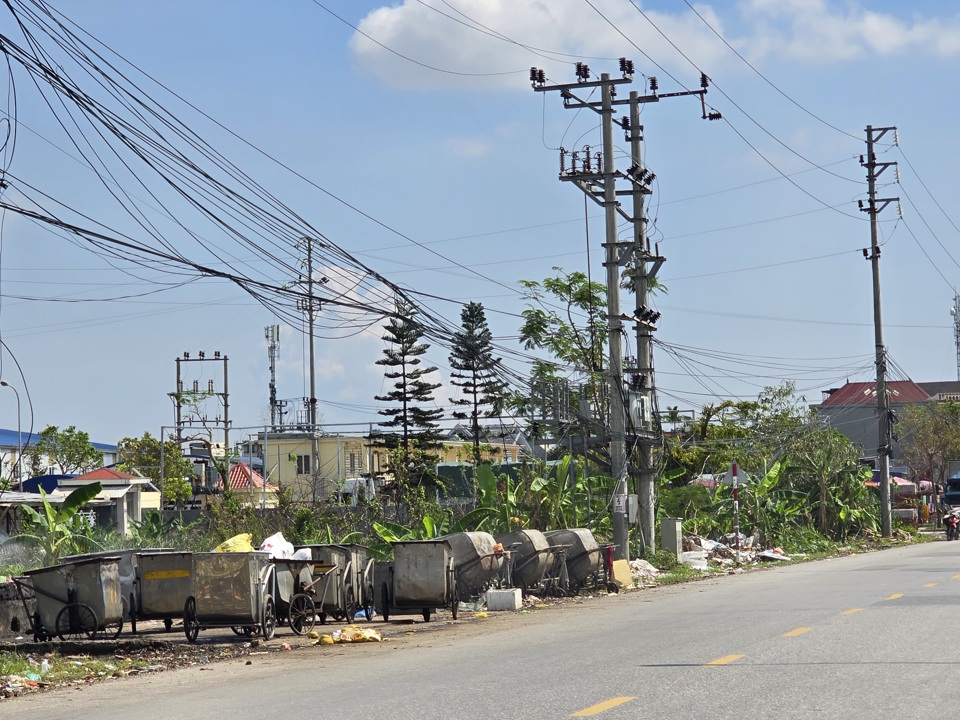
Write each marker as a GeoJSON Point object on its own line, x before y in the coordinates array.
{"type": "Point", "coordinates": [277, 546]}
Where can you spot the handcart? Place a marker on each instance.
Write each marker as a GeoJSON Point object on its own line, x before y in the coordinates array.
{"type": "Point", "coordinates": [127, 567]}
{"type": "Point", "coordinates": [535, 564]}
{"type": "Point", "coordinates": [338, 597]}
{"type": "Point", "coordinates": [359, 577]}
{"type": "Point", "coordinates": [298, 585]}
{"type": "Point", "coordinates": [584, 557]}
{"type": "Point", "coordinates": [422, 578]}
{"type": "Point", "coordinates": [231, 590]}
{"type": "Point", "coordinates": [478, 560]}
{"type": "Point", "coordinates": [164, 581]}
{"type": "Point", "coordinates": [75, 600]}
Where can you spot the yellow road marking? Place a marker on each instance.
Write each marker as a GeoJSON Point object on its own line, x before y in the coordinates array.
{"type": "Point", "coordinates": [798, 631]}
{"type": "Point", "coordinates": [725, 660]}
{"type": "Point", "coordinates": [600, 707]}
{"type": "Point", "coordinates": [931, 584]}
{"type": "Point", "coordinates": [851, 611]}
{"type": "Point", "coordinates": [895, 596]}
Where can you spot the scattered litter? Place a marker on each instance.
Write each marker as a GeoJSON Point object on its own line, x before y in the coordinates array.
{"type": "Point", "coordinates": [355, 633]}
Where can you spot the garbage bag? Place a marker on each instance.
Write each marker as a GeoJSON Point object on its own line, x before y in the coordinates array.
{"type": "Point", "coordinates": [238, 543]}
{"type": "Point", "coordinates": [277, 546]}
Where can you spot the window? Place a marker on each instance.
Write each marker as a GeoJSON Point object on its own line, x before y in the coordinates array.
{"type": "Point", "coordinates": [303, 464]}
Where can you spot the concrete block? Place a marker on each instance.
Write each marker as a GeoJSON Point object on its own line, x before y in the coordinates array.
{"type": "Point", "coordinates": [498, 600]}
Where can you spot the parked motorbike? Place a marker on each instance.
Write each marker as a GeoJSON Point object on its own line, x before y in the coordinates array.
{"type": "Point", "coordinates": [952, 524]}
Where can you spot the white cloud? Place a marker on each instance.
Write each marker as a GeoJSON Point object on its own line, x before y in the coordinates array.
{"type": "Point", "coordinates": [818, 31]}
{"type": "Point", "coordinates": [480, 46]}
{"type": "Point", "coordinates": [493, 43]}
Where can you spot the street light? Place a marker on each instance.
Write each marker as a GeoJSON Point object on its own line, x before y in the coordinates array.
{"type": "Point", "coordinates": [4, 383]}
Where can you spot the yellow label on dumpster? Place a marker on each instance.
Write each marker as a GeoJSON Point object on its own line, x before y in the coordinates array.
{"type": "Point", "coordinates": [166, 574]}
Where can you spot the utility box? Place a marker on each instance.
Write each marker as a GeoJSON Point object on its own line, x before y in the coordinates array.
{"type": "Point", "coordinates": [671, 536]}
{"type": "Point", "coordinates": [633, 506]}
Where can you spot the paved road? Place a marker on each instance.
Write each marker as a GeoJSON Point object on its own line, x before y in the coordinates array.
{"type": "Point", "coordinates": [856, 637]}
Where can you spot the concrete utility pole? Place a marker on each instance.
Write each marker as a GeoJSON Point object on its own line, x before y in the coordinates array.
{"type": "Point", "coordinates": [596, 176]}
{"type": "Point", "coordinates": [311, 306]}
{"type": "Point", "coordinates": [873, 207]}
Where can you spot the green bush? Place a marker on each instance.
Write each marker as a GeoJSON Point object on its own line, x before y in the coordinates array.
{"type": "Point", "coordinates": [662, 560]}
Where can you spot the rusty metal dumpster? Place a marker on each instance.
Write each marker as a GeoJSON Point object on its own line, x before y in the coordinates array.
{"type": "Point", "coordinates": [531, 557]}
{"type": "Point", "coordinates": [421, 579]}
{"type": "Point", "coordinates": [359, 577]}
{"type": "Point", "coordinates": [335, 596]}
{"type": "Point", "coordinates": [584, 558]}
{"type": "Point", "coordinates": [164, 581]}
{"type": "Point", "coordinates": [231, 590]}
{"type": "Point", "coordinates": [478, 560]}
{"type": "Point", "coordinates": [78, 599]}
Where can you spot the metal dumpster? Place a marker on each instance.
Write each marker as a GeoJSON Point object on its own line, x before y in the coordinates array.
{"type": "Point", "coordinates": [361, 577]}
{"type": "Point", "coordinates": [477, 562]}
{"type": "Point", "coordinates": [422, 578]}
{"type": "Point", "coordinates": [584, 558]}
{"type": "Point", "coordinates": [127, 567]}
{"type": "Point", "coordinates": [335, 596]}
{"type": "Point", "coordinates": [231, 590]}
{"type": "Point", "coordinates": [79, 599]}
{"type": "Point", "coordinates": [164, 582]}
{"type": "Point", "coordinates": [530, 557]}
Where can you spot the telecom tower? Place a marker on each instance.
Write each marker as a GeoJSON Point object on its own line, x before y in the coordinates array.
{"type": "Point", "coordinates": [955, 311]}
{"type": "Point", "coordinates": [272, 334]}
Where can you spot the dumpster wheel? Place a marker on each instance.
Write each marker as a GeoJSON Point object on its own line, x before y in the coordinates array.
{"type": "Point", "coordinates": [76, 621]}
{"type": "Point", "coordinates": [268, 623]}
{"type": "Point", "coordinates": [302, 615]}
{"type": "Point", "coordinates": [191, 623]}
{"type": "Point", "coordinates": [385, 602]}
{"type": "Point", "coordinates": [110, 630]}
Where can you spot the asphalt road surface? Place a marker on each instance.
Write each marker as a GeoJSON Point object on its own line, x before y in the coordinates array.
{"type": "Point", "coordinates": [866, 636]}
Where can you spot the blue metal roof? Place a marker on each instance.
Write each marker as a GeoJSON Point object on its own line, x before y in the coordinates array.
{"type": "Point", "coordinates": [14, 438]}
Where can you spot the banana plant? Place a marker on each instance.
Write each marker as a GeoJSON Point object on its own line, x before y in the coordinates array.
{"type": "Point", "coordinates": [54, 530]}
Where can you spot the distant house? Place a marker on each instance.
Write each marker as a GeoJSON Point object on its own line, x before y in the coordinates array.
{"type": "Point", "coordinates": [15, 442]}
{"type": "Point", "coordinates": [250, 487]}
{"type": "Point", "coordinates": [125, 493]}
{"type": "Point", "coordinates": [852, 408]}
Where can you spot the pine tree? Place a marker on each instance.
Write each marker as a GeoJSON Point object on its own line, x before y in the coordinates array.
{"type": "Point", "coordinates": [475, 372]}
{"type": "Point", "coordinates": [417, 424]}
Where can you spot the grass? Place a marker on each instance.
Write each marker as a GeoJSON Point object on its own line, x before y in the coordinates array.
{"type": "Point", "coordinates": [31, 670]}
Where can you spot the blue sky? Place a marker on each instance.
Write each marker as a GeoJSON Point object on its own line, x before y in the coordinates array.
{"type": "Point", "coordinates": [409, 136]}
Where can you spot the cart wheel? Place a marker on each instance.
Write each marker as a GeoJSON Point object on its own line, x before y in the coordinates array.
{"type": "Point", "coordinates": [349, 605]}
{"type": "Point", "coordinates": [455, 600]}
{"type": "Point", "coordinates": [39, 634]}
{"type": "Point", "coordinates": [110, 631]}
{"type": "Point", "coordinates": [268, 623]}
{"type": "Point", "coordinates": [76, 621]}
{"type": "Point", "coordinates": [426, 614]}
{"type": "Point", "coordinates": [385, 602]}
{"type": "Point", "coordinates": [133, 614]}
{"type": "Point", "coordinates": [191, 623]}
{"type": "Point", "coordinates": [302, 614]}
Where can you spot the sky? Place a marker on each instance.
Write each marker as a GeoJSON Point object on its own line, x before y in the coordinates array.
{"type": "Point", "coordinates": [407, 136]}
